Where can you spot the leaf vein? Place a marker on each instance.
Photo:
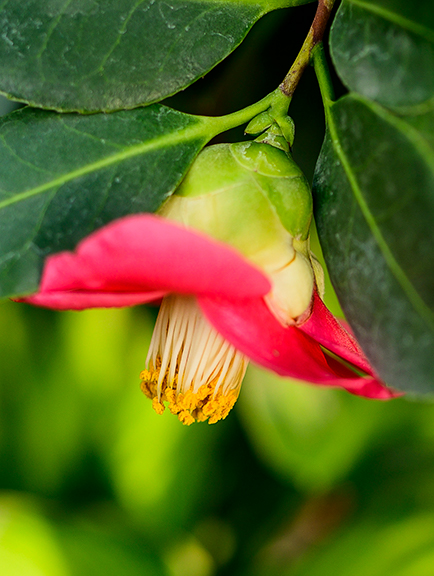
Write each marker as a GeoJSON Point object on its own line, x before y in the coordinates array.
{"type": "Point", "coordinates": [401, 21]}
{"type": "Point", "coordinates": [103, 200]}
{"type": "Point", "coordinates": [12, 256]}
{"type": "Point", "coordinates": [188, 133]}
{"type": "Point", "coordinates": [118, 39]}
{"type": "Point", "coordinates": [176, 41]}
{"type": "Point", "coordinates": [396, 270]}
{"type": "Point", "coordinates": [420, 142]}
{"type": "Point", "coordinates": [21, 160]}
{"type": "Point", "coordinates": [50, 31]}
{"type": "Point", "coordinates": [88, 135]}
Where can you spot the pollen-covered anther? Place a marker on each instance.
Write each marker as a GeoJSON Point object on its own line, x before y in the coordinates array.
{"type": "Point", "coordinates": [190, 365]}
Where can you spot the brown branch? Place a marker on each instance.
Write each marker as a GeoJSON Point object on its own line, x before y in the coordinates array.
{"type": "Point", "coordinates": [314, 36]}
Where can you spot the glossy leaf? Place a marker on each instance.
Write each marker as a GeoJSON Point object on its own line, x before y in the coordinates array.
{"type": "Point", "coordinates": [384, 49]}
{"type": "Point", "coordinates": [374, 193]}
{"type": "Point", "coordinates": [93, 55]}
{"type": "Point", "coordinates": [63, 176]}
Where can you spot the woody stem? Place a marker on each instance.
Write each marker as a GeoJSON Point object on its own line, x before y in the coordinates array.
{"type": "Point", "coordinates": [314, 37]}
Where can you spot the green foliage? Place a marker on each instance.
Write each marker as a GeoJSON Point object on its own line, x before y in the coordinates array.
{"type": "Point", "coordinates": [307, 482]}
{"type": "Point", "coordinates": [116, 54]}
{"type": "Point", "coordinates": [64, 176]}
{"type": "Point", "coordinates": [384, 49]}
{"type": "Point", "coordinates": [381, 259]}
{"type": "Point", "coordinates": [28, 543]}
{"type": "Point", "coordinates": [374, 187]}
{"type": "Point", "coordinates": [313, 437]}
{"type": "Point", "coordinates": [404, 548]}
{"type": "Point", "coordinates": [32, 544]}
{"type": "Point", "coordinates": [311, 482]}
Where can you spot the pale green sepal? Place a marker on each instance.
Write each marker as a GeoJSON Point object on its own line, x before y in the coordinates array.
{"type": "Point", "coordinates": [259, 123]}
{"type": "Point", "coordinates": [274, 129]}
{"type": "Point", "coordinates": [266, 160]}
{"type": "Point", "coordinates": [276, 140]}
{"type": "Point", "coordinates": [282, 182]}
{"type": "Point", "coordinates": [287, 126]}
{"type": "Point", "coordinates": [274, 137]}
{"type": "Point", "coordinates": [212, 170]}
{"type": "Point", "coordinates": [292, 200]}
{"type": "Point", "coordinates": [255, 198]}
{"type": "Point", "coordinates": [221, 198]}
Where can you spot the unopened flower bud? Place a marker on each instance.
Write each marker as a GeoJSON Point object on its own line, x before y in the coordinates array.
{"type": "Point", "coordinates": [254, 197]}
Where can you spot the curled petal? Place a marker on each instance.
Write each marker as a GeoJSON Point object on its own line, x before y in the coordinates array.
{"type": "Point", "coordinates": [141, 258]}
{"type": "Point", "coordinates": [83, 299]}
{"type": "Point", "coordinates": [251, 328]}
{"type": "Point", "coordinates": [325, 329]}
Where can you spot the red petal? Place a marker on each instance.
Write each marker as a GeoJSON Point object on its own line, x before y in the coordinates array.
{"type": "Point", "coordinates": [140, 258]}
{"type": "Point", "coordinates": [323, 327]}
{"type": "Point", "coordinates": [80, 300]}
{"type": "Point", "coordinates": [252, 329]}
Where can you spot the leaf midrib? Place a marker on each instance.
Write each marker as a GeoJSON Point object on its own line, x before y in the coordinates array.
{"type": "Point", "coordinates": [401, 21]}
{"type": "Point", "coordinates": [415, 299]}
{"type": "Point", "coordinates": [189, 133]}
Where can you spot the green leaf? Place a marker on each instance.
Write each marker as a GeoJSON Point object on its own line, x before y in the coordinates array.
{"type": "Point", "coordinates": [374, 195]}
{"type": "Point", "coordinates": [93, 55]}
{"type": "Point", "coordinates": [384, 49]}
{"type": "Point", "coordinates": [63, 176]}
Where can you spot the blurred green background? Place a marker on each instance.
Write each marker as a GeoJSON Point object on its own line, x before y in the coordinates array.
{"type": "Point", "coordinates": [297, 481]}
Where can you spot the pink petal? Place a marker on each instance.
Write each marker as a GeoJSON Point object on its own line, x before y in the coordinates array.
{"type": "Point", "coordinates": [80, 300]}
{"type": "Point", "coordinates": [252, 329]}
{"type": "Point", "coordinates": [323, 327]}
{"type": "Point", "coordinates": [140, 258]}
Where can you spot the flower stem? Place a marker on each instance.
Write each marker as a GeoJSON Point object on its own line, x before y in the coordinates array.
{"type": "Point", "coordinates": [323, 75]}
{"type": "Point", "coordinates": [278, 101]}
{"type": "Point", "coordinates": [314, 37]}
{"type": "Point", "coordinates": [223, 123]}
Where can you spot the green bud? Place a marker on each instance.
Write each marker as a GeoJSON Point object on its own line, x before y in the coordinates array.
{"type": "Point", "coordinates": [287, 126]}
{"type": "Point", "coordinates": [275, 140]}
{"type": "Point", "coordinates": [255, 198]}
{"type": "Point", "coordinates": [220, 197]}
{"type": "Point", "coordinates": [282, 181]}
{"type": "Point", "coordinates": [282, 125]}
{"type": "Point", "coordinates": [259, 123]}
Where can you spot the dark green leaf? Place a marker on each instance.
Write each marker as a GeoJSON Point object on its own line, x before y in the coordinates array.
{"type": "Point", "coordinates": [384, 49]}
{"type": "Point", "coordinates": [63, 176]}
{"type": "Point", "coordinates": [93, 55]}
{"type": "Point", "coordinates": [374, 193]}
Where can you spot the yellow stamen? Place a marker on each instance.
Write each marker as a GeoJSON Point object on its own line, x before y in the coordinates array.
{"type": "Point", "coordinates": [190, 365]}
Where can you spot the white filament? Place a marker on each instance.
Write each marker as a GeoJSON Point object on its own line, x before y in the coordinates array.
{"type": "Point", "coordinates": [188, 346]}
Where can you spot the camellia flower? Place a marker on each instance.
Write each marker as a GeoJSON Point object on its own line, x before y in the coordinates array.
{"type": "Point", "coordinates": [228, 256]}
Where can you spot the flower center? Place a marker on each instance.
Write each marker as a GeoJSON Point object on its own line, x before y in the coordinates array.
{"type": "Point", "coordinates": [190, 365]}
